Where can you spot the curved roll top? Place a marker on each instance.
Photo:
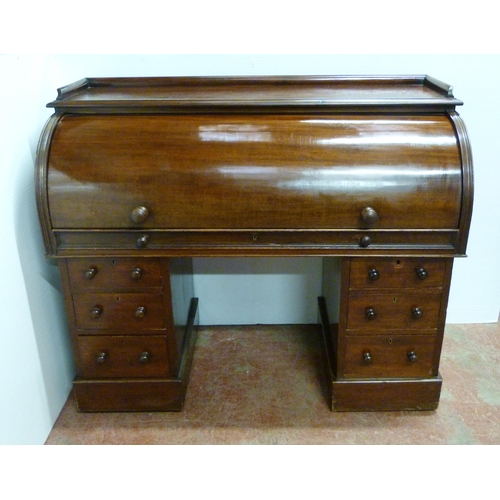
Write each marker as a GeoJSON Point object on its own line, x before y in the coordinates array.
{"type": "Point", "coordinates": [367, 177]}
{"type": "Point", "coordinates": [259, 172]}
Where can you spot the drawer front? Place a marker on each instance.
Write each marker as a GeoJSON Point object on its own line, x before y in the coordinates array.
{"type": "Point", "coordinates": [123, 356]}
{"type": "Point", "coordinates": [131, 312]}
{"type": "Point", "coordinates": [374, 312]}
{"type": "Point", "coordinates": [342, 171]}
{"type": "Point", "coordinates": [384, 356]}
{"type": "Point", "coordinates": [396, 273]}
{"type": "Point", "coordinates": [97, 273]}
{"type": "Point", "coordinates": [264, 242]}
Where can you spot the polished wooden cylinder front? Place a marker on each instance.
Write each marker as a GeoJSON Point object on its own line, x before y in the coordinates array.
{"type": "Point", "coordinates": [255, 172]}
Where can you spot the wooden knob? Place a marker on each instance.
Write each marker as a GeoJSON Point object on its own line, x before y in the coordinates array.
{"type": "Point", "coordinates": [370, 313]}
{"type": "Point", "coordinates": [373, 274]}
{"type": "Point", "coordinates": [90, 273]}
{"type": "Point", "coordinates": [412, 357]}
{"type": "Point", "coordinates": [101, 358]}
{"type": "Point", "coordinates": [139, 215]}
{"type": "Point", "coordinates": [96, 312]}
{"type": "Point", "coordinates": [367, 358]}
{"type": "Point", "coordinates": [142, 241]}
{"type": "Point", "coordinates": [421, 273]}
{"type": "Point", "coordinates": [365, 241]}
{"type": "Point", "coordinates": [136, 273]}
{"type": "Point", "coordinates": [369, 215]}
{"type": "Point", "coordinates": [144, 357]}
{"type": "Point", "coordinates": [140, 312]}
{"type": "Point", "coordinates": [416, 312]}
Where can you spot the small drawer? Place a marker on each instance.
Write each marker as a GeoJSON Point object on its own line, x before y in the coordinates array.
{"type": "Point", "coordinates": [396, 273]}
{"type": "Point", "coordinates": [368, 311]}
{"type": "Point", "coordinates": [123, 356]}
{"type": "Point", "coordinates": [265, 241]}
{"type": "Point", "coordinates": [384, 356]}
{"type": "Point", "coordinates": [119, 311]}
{"type": "Point", "coordinates": [101, 273]}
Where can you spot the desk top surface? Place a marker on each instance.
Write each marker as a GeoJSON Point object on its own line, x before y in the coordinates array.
{"type": "Point", "coordinates": [255, 94]}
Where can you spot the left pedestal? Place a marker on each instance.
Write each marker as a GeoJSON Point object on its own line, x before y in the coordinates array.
{"type": "Point", "coordinates": [132, 330]}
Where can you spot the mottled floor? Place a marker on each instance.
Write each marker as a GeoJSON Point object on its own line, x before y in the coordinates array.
{"type": "Point", "coordinates": [264, 385]}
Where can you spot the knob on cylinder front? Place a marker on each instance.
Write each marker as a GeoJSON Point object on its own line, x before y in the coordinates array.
{"type": "Point", "coordinates": [139, 215]}
{"type": "Point", "coordinates": [369, 215]}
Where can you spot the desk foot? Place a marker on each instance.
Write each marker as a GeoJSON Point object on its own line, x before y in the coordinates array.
{"type": "Point", "coordinates": [380, 395]}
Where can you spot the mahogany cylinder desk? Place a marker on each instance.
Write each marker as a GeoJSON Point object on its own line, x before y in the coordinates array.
{"type": "Point", "coordinates": [136, 176]}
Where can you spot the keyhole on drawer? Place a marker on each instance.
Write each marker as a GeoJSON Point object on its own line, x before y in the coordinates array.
{"type": "Point", "coordinates": [113, 261]}
{"type": "Point", "coordinates": [389, 341]}
{"type": "Point", "coordinates": [398, 263]}
{"type": "Point", "coordinates": [117, 299]}
{"type": "Point", "coordinates": [394, 300]}
{"type": "Point", "coordinates": [255, 237]}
